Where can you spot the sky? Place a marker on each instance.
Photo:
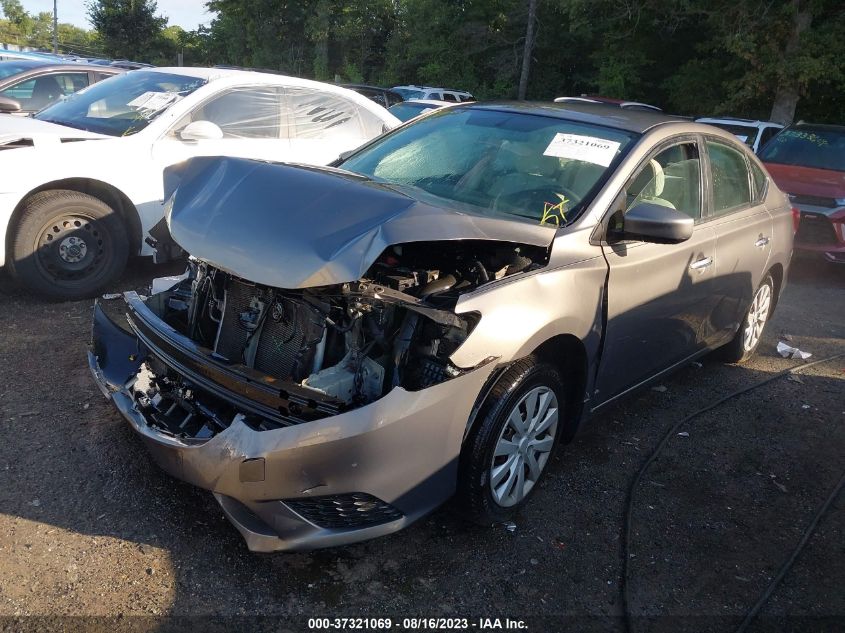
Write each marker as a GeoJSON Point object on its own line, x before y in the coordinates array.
{"type": "Point", "coordinates": [185, 13]}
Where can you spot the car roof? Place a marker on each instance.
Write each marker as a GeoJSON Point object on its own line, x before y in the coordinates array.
{"type": "Point", "coordinates": [595, 113]}
{"type": "Point", "coordinates": [733, 121]}
{"type": "Point", "coordinates": [32, 64]}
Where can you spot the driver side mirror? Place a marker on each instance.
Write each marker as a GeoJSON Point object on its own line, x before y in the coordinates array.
{"type": "Point", "coordinates": [9, 105]}
{"type": "Point", "coordinates": [201, 131]}
{"type": "Point", "coordinates": [652, 222]}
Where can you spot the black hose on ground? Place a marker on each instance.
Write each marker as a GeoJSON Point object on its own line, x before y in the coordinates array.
{"type": "Point", "coordinates": [629, 503]}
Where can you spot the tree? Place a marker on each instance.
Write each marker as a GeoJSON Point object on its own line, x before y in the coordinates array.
{"type": "Point", "coordinates": [128, 28]}
{"type": "Point", "coordinates": [528, 50]}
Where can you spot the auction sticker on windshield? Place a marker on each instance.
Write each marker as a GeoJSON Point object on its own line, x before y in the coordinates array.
{"type": "Point", "coordinates": [589, 149]}
{"type": "Point", "coordinates": [153, 100]}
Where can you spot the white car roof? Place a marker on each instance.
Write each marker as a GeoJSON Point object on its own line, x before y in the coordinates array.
{"type": "Point", "coordinates": [234, 76]}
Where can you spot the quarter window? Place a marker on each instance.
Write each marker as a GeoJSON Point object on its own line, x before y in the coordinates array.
{"type": "Point", "coordinates": [731, 184]}
{"type": "Point", "coordinates": [671, 179]}
{"type": "Point", "coordinates": [759, 180]}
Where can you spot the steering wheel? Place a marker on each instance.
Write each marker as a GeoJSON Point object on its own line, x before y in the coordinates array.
{"type": "Point", "coordinates": [538, 203]}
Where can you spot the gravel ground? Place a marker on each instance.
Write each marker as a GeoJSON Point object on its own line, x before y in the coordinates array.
{"type": "Point", "coordinates": [89, 526]}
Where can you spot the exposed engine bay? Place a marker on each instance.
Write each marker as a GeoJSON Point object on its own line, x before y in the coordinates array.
{"type": "Point", "coordinates": [341, 346]}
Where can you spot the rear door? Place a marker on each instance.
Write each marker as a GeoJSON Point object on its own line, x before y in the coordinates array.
{"type": "Point", "coordinates": [743, 228]}
{"type": "Point", "coordinates": [658, 294]}
{"type": "Point", "coordinates": [321, 125]}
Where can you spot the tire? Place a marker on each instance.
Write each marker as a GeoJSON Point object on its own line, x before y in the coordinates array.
{"type": "Point", "coordinates": [483, 477]}
{"type": "Point", "coordinates": [747, 339]}
{"type": "Point", "coordinates": [67, 245]}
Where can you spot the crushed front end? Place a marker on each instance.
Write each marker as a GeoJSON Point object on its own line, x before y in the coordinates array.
{"type": "Point", "coordinates": [317, 416]}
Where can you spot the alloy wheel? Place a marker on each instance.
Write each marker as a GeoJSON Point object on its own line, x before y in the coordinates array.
{"type": "Point", "coordinates": [524, 446]}
{"type": "Point", "coordinates": [756, 319]}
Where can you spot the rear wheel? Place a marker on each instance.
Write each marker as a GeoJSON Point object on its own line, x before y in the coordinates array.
{"type": "Point", "coordinates": [506, 454]}
{"type": "Point", "coordinates": [68, 245]}
{"type": "Point", "coordinates": [747, 339]}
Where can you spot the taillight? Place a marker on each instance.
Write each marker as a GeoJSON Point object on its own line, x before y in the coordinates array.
{"type": "Point", "coordinates": [796, 219]}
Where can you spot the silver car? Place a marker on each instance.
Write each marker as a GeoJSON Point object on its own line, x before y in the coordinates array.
{"type": "Point", "coordinates": [353, 345]}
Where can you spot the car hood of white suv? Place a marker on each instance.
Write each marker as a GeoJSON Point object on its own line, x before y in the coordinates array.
{"type": "Point", "coordinates": [24, 131]}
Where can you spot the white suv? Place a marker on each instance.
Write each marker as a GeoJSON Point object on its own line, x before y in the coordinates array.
{"type": "Point", "coordinates": [82, 180]}
{"type": "Point", "coordinates": [755, 134]}
{"type": "Point", "coordinates": [436, 94]}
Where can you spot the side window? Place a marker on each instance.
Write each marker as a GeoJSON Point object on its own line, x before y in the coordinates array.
{"type": "Point", "coordinates": [448, 96]}
{"type": "Point", "coordinates": [315, 114]}
{"type": "Point", "coordinates": [672, 178]}
{"type": "Point", "coordinates": [37, 93]}
{"type": "Point", "coordinates": [71, 82]}
{"type": "Point", "coordinates": [767, 135]}
{"type": "Point", "coordinates": [243, 113]}
{"type": "Point", "coordinates": [731, 184]}
{"type": "Point", "coordinates": [434, 95]}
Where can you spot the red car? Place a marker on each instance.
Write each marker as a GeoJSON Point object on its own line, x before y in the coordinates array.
{"type": "Point", "coordinates": [808, 163]}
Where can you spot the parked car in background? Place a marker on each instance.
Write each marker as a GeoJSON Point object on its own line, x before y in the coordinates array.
{"type": "Point", "coordinates": [6, 54]}
{"type": "Point", "coordinates": [625, 105]}
{"type": "Point", "coordinates": [755, 134]}
{"type": "Point", "coordinates": [27, 86]}
{"type": "Point", "coordinates": [72, 212]}
{"type": "Point", "coordinates": [350, 347]}
{"type": "Point", "coordinates": [413, 108]}
{"type": "Point", "coordinates": [437, 94]}
{"type": "Point", "coordinates": [808, 162]}
{"type": "Point", "coordinates": [381, 96]}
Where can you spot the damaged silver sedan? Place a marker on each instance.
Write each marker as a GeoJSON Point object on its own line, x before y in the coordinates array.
{"type": "Point", "coordinates": [352, 346]}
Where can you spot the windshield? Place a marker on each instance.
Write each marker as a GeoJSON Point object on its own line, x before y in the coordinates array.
{"type": "Point", "coordinates": [406, 111]}
{"type": "Point", "coordinates": [534, 168]}
{"type": "Point", "coordinates": [121, 105]}
{"type": "Point", "coordinates": [821, 148]}
{"type": "Point", "coordinates": [7, 69]}
{"type": "Point", "coordinates": [409, 93]}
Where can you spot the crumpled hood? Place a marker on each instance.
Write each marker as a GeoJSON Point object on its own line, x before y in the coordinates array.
{"type": "Point", "coordinates": [292, 226]}
{"type": "Point", "coordinates": [14, 129]}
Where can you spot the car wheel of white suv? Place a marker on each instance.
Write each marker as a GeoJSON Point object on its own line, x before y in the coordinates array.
{"type": "Point", "coordinates": [68, 245]}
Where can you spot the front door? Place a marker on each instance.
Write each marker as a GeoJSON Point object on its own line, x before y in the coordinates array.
{"type": "Point", "coordinates": [658, 295]}
{"type": "Point", "coordinates": [252, 122]}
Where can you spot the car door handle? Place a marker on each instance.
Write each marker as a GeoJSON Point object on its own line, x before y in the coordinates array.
{"type": "Point", "coordinates": [701, 264]}
{"type": "Point", "coordinates": [761, 242]}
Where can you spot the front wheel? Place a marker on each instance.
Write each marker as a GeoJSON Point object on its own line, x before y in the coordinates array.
{"type": "Point", "coordinates": [747, 339]}
{"type": "Point", "coordinates": [68, 245]}
{"type": "Point", "coordinates": [506, 454]}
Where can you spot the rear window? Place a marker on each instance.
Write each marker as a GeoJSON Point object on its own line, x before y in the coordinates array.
{"type": "Point", "coordinates": [406, 111]}
{"type": "Point", "coordinates": [821, 148]}
{"type": "Point", "coordinates": [745, 133]}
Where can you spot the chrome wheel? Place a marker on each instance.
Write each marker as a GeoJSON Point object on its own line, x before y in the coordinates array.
{"type": "Point", "coordinates": [523, 447]}
{"type": "Point", "coordinates": [756, 319]}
